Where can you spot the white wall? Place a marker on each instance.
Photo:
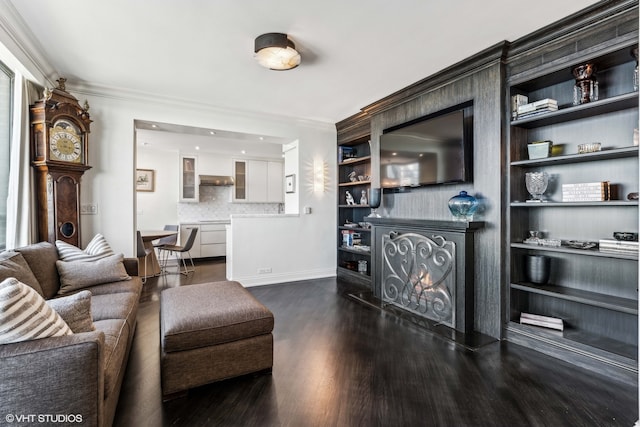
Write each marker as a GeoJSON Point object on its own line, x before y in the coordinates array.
{"type": "Point", "coordinates": [157, 208]}
{"type": "Point", "coordinates": [110, 183]}
{"type": "Point", "coordinates": [294, 247]}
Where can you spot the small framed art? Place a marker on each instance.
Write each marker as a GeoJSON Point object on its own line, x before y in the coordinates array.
{"type": "Point", "coordinates": [145, 180]}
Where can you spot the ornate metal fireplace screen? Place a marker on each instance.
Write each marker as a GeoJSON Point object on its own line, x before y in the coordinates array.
{"type": "Point", "coordinates": [418, 275]}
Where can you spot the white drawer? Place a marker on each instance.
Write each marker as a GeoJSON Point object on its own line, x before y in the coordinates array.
{"type": "Point", "coordinates": [218, 249]}
{"type": "Point", "coordinates": [212, 227]}
{"type": "Point", "coordinates": [209, 237]}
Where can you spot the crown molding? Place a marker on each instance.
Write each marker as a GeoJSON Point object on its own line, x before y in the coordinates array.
{"type": "Point", "coordinates": [27, 54]}
{"type": "Point", "coordinates": [132, 95]}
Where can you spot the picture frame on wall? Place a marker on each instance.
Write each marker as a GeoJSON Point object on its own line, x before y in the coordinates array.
{"type": "Point", "coordinates": [290, 183]}
{"type": "Point", "coordinates": [145, 180]}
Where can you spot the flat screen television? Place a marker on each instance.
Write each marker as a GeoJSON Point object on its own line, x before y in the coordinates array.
{"type": "Point", "coordinates": [434, 149]}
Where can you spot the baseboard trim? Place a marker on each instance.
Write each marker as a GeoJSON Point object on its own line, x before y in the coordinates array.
{"type": "Point", "coordinates": [274, 278]}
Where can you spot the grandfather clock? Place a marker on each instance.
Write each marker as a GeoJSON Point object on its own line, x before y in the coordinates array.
{"type": "Point", "coordinates": [59, 139]}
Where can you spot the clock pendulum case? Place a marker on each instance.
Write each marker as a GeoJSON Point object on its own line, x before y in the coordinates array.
{"type": "Point", "coordinates": [59, 140]}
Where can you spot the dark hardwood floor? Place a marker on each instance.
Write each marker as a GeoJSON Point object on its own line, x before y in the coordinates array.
{"type": "Point", "coordinates": [340, 363]}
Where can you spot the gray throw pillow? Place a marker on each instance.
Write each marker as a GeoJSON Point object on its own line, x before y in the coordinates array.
{"type": "Point", "coordinates": [75, 310]}
{"type": "Point", "coordinates": [79, 275]}
{"type": "Point", "coordinates": [13, 264]}
{"type": "Point", "coordinates": [25, 315]}
{"type": "Point", "coordinates": [42, 258]}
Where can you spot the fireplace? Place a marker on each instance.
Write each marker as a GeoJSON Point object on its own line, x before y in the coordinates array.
{"type": "Point", "coordinates": [426, 268]}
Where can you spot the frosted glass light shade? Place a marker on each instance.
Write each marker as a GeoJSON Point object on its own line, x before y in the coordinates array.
{"type": "Point", "coordinates": [276, 52]}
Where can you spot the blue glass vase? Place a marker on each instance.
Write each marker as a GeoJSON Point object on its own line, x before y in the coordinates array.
{"type": "Point", "coordinates": [463, 206]}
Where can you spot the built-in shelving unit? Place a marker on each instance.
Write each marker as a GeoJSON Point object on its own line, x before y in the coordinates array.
{"type": "Point", "coordinates": [354, 177]}
{"type": "Point", "coordinates": [594, 292]}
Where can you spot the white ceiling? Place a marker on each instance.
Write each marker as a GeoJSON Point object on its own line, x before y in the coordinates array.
{"type": "Point", "coordinates": [353, 52]}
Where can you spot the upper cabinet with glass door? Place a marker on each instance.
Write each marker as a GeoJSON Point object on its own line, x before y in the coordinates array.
{"type": "Point", "coordinates": [188, 179]}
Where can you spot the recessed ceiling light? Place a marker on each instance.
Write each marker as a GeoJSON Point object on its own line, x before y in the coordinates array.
{"type": "Point", "coordinates": [212, 132]}
{"type": "Point", "coordinates": [261, 138]}
{"type": "Point", "coordinates": [154, 126]}
{"type": "Point", "coordinates": [197, 147]}
{"type": "Point", "coordinates": [243, 152]}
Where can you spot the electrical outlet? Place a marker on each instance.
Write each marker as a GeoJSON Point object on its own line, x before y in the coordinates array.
{"type": "Point", "coordinates": [88, 209]}
{"type": "Point", "coordinates": [264, 270]}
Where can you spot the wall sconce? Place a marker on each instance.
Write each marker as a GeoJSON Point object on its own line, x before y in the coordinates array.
{"type": "Point", "coordinates": [318, 176]}
{"type": "Point", "coordinates": [276, 52]}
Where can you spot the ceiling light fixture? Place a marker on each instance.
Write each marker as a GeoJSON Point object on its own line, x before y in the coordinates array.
{"type": "Point", "coordinates": [276, 52]}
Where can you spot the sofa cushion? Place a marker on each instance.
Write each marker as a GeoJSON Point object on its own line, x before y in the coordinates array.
{"type": "Point", "coordinates": [42, 258]}
{"type": "Point", "coordinates": [13, 264]}
{"type": "Point", "coordinates": [79, 275]}
{"type": "Point", "coordinates": [98, 248]}
{"type": "Point", "coordinates": [25, 315]}
{"type": "Point", "coordinates": [116, 336]}
{"type": "Point", "coordinates": [115, 306]}
{"type": "Point", "coordinates": [75, 310]}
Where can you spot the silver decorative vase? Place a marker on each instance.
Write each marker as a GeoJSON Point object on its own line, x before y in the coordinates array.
{"type": "Point", "coordinates": [536, 183]}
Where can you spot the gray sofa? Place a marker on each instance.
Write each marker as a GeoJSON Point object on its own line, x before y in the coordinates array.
{"type": "Point", "coordinates": [73, 375]}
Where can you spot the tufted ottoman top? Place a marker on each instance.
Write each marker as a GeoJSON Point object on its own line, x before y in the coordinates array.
{"type": "Point", "coordinates": [208, 314]}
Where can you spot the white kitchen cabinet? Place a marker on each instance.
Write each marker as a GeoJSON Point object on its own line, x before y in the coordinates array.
{"type": "Point", "coordinates": [258, 181]}
{"type": "Point", "coordinates": [210, 241]}
{"type": "Point", "coordinates": [188, 179]}
{"type": "Point", "coordinates": [213, 240]}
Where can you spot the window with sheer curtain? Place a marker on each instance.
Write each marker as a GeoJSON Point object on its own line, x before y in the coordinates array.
{"type": "Point", "coordinates": [6, 97]}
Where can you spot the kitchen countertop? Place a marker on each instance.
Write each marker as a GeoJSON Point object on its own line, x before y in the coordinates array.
{"type": "Point", "coordinates": [207, 221]}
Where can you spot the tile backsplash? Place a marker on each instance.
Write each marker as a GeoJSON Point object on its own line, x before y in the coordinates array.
{"type": "Point", "coordinates": [215, 203]}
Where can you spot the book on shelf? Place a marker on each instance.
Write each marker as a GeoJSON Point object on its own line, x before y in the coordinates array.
{"type": "Point", "coordinates": [345, 153]}
{"type": "Point", "coordinates": [618, 246]}
{"type": "Point", "coordinates": [586, 192]}
{"type": "Point", "coordinates": [544, 321]}
{"type": "Point", "coordinates": [517, 101]}
{"type": "Point", "coordinates": [534, 108]}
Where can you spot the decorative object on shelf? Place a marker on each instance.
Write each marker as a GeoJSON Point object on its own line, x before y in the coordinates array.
{"type": "Point", "coordinates": [625, 236]}
{"type": "Point", "coordinates": [362, 266]}
{"type": "Point", "coordinates": [634, 53]}
{"type": "Point", "coordinates": [537, 268]}
{"type": "Point", "coordinates": [276, 52]}
{"type": "Point", "coordinates": [363, 197]}
{"type": "Point", "coordinates": [352, 177]}
{"type": "Point", "coordinates": [365, 225]}
{"type": "Point", "coordinates": [349, 198]}
{"type": "Point", "coordinates": [589, 147]}
{"type": "Point", "coordinates": [463, 206]}
{"type": "Point", "coordinates": [536, 183]}
{"type": "Point", "coordinates": [375, 199]}
{"type": "Point", "coordinates": [579, 244]}
{"type": "Point", "coordinates": [632, 196]}
{"type": "Point", "coordinates": [539, 149]}
{"type": "Point", "coordinates": [534, 237]}
{"type": "Point", "coordinates": [586, 87]}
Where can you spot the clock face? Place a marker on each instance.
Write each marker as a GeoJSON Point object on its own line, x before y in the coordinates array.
{"type": "Point", "coordinates": [65, 142]}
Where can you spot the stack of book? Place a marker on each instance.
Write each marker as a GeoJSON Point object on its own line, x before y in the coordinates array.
{"type": "Point", "coordinates": [618, 246]}
{"type": "Point", "coordinates": [539, 107]}
{"type": "Point", "coordinates": [586, 192]}
{"type": "Point", "coordinates": [544, 321]}
{"type": "Point", "coordinates": [345, 153]}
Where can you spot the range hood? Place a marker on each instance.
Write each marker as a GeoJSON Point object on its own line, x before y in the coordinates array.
{"type": "Point", "coordinates": [216, 180]}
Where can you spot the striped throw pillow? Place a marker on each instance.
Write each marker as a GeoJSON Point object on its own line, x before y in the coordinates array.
{"type": "Point", "coordinates": [97, 248]}
{"type": "Point", "coordinates": [25, 315]}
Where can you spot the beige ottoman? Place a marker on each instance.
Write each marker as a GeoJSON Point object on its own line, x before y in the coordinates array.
{"type": "Point", "coordinates": [210, 332]}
